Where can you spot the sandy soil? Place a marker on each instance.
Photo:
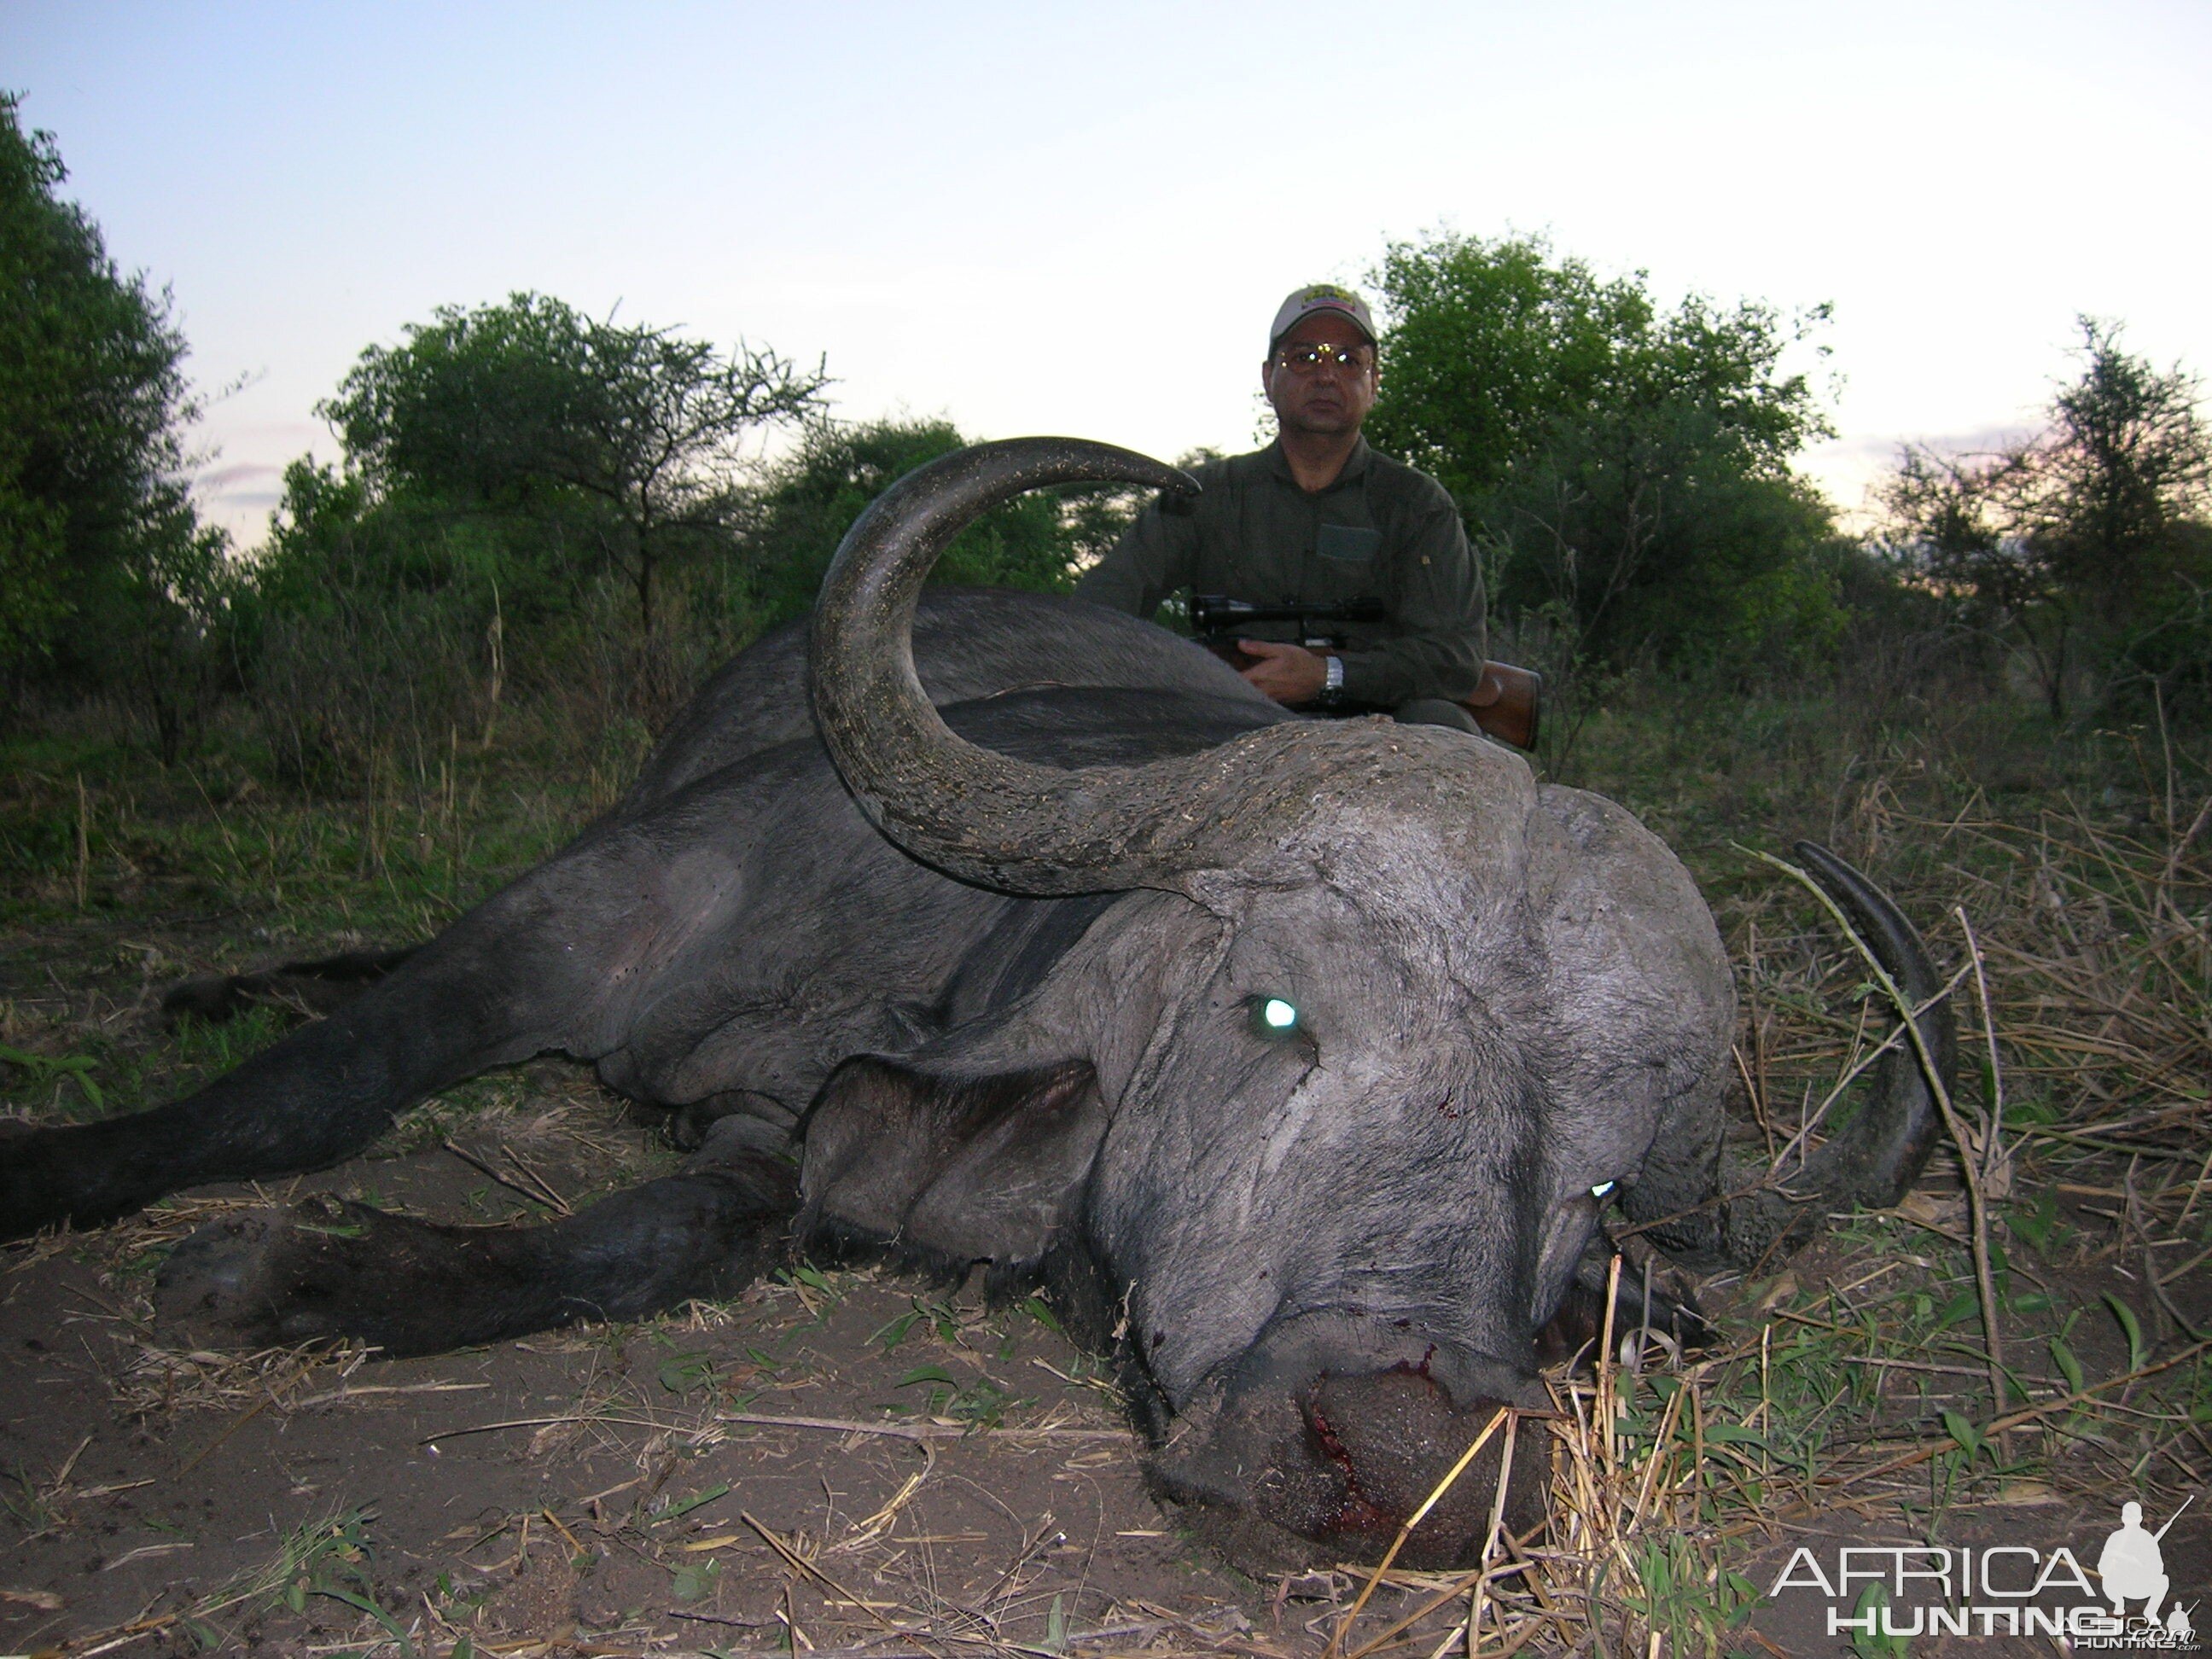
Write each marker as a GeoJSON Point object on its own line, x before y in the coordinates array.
{"type": "Point", "coordinates": [605, 1488]}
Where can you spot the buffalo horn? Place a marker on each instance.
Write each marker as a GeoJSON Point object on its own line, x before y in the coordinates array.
{"type": "Point", "coordinates": [1873, 1160]}
{"type": "Point", "coordinates": [1006, 823]}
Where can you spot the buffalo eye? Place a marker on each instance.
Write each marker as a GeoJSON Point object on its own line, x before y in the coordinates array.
{"type": "Point", "coordinates": [1603, 1190]}
{"type": "Point", "coordinates": [1274, 1018]}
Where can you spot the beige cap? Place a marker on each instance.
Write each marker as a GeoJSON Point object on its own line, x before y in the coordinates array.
{"type": "Point", "coordinates": [1321, 297]}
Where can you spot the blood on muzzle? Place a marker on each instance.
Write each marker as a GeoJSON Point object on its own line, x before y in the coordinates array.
{"type": "Point", "coordinates": [1293, 1463]}
{"type": "Point", "coordinates": [1394, 1437]}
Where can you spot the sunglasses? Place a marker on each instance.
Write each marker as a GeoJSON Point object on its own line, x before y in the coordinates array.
{"type": "Point", "coordinates": [1305, 359]}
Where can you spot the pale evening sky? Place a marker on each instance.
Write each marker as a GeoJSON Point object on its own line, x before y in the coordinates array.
{"type": "Point", "coordinates": [1046, 218]}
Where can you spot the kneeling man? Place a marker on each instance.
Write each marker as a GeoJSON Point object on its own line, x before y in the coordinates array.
{"type": "Point", "coordinates": [1319, 519]}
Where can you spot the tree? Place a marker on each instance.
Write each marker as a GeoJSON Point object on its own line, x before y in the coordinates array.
{"type": "Point", "coordinates": [1954, 518]}
{"type": "Point", "coordinates": [1625, 470]}
{"type": "Point", "coordinates": [2125, 465]}
{"type": "Point", "coordinates": [2093, 530]}
{"type": "Point", "coordinates": [1036, 541]}
{"type": "Point", "coordinates": [531, 408]}
{"type": "Point", "coordinates": [1490, 347]}
{"type": "Point", "coordinates": [108, 572]}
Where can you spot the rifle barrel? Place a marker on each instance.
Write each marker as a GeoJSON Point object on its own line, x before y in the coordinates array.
{"type": "Point", "coordinates": [2175, 1516]}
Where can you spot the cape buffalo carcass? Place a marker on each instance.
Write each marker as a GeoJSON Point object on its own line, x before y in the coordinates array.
{"type": "Point", "coordinates": [1297, 1059]}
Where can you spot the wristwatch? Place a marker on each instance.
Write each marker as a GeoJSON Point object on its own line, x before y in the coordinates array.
{"type": "Point", "coordinates": [1332, 685]}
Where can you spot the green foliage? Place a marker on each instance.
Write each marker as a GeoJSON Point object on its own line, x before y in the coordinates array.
{"type": "Point", "coordinates": [518, 475]}
{"type": "Point", "coordinates": [628, 437]}
{"type": "Point", "coordinates": [44, 1068]}
{"type": "Point", "coordinates": [1693, 1604]}
{"type": "Point", "coordinates": [1035, 541]}
{"type": "Point", "coordinates": [2125, 464]}
{"type": "Point", "coordinates": [675, 1507]}
{"type": "Point", "coordinates": [695, 1580]}
{"type": "Point", "coordinates": [332, 534]}
{"type": "Point", "coordinates": [111, 578]}
{"type": "Point", "coordinates": [2138, 1350]}
{"type": "Point", "coordinates": [368, 620]}
{"type": "Point", "coordinates": [2087, 546]}
{"type": "Point", "coordinates": [1875, 1642]}
{"type": "Point", "coordinates": [686, 1373]}
{"type": "Point", "coordinates": [1623, 468]}
{"type": "Point", "coordinates": [983, 1403]}
{"type": "Point", "coordinates": [521, 484]}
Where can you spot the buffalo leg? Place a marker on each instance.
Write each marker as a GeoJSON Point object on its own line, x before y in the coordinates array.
{"type": "Point", "coordinates": [410, 1286]}
{"type": "Point", "coordinates": [526, 971]}
{"type": "Point", "coordinates": [316, 987]}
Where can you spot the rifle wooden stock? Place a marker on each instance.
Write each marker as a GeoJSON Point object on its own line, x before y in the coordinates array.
{"type": "Point", "coordinates": [1509, 703]}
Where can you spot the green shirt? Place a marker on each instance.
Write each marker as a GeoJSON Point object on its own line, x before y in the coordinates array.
{"type": "Point", "coordinates": [1382, 531]}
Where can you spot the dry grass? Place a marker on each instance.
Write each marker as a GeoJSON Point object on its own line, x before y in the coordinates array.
{"type": "Point", "coordinates": [2095, 948]}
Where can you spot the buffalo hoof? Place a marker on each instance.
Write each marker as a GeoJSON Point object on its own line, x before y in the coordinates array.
{"type": "Point", "coordinates": [256, 1278]}
{"type": "Point", "coordinates": [689, 1127]}
{"type": "Point", "coordinates": [331, 1269]}
{"type": "Point", "coordinates": [215, 998]}
{"type": "Point", "coordinates": [313, 989]}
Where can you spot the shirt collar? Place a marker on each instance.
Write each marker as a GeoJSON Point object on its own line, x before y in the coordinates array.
{"type": "Point", "coordinates": [1355, 466]}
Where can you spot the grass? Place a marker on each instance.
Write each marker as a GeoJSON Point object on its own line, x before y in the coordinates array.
{"type": "Point", "coordinates": [328, 1559]}
{"type": "Point", "coordinates": [2041, 1338]}
{"type": "Point", "coordinates": [118, 878]}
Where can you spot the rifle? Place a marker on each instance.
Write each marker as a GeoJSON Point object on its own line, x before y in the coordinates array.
{"type": "Point", "coordinates": [2171, 1519]}
{"type": "Point", "coordinates": [1507, 700]}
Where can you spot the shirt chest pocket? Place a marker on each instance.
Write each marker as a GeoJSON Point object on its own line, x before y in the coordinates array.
{"type": "Point", "coordinates": [1346, 544]}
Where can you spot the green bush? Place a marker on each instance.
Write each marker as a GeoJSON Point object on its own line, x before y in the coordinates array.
{"type": "Point", "coordinates": [111, 581]}
{"type": "Point", "coordinates": [1038, 541]}
{"type": "Point", "coordinates": [1623, 468]}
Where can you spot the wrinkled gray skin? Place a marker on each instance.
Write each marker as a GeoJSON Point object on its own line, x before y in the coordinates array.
{"type": "Point", "coordinates": [1323, 1255]}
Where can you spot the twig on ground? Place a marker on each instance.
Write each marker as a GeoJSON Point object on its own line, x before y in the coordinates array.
{"type": "Point", "coordinates": [2027, 1414]}
{"type": "Point", "coordinates": [485, 1169]}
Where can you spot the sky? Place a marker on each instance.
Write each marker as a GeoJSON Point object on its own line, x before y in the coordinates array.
{"type": "Point", "coordinates": [1079, 219]}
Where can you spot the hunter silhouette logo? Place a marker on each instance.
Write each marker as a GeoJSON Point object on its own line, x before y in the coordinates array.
{"type": "Point", "coordinates": [2132, 1565]}
{"type": "Point", "coordinates": [1888, 1591]}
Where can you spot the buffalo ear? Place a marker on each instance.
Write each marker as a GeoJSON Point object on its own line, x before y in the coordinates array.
{"type": "Point", "coordinates": [946, 1170]}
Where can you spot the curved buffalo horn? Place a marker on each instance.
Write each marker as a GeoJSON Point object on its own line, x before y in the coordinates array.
{"type": "Point", "coordinates": [1871, 1161]}
{"type": "Point", "coordinates": [1021, 828]}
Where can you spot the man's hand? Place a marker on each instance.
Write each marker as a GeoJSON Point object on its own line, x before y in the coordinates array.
{"type": "Point", "coordinates": [1288, 673]}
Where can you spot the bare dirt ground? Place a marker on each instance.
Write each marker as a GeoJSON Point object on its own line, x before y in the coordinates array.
{"type": "Point", "coordinates": [825, 1459]}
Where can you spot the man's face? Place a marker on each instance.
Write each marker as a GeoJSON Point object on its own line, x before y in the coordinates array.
{"type": "Point", "coordinates": [1327, 397]}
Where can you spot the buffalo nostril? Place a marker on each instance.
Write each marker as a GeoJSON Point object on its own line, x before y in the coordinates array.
{"type": "Point", "coordinates": [1301, 1459]}
{"type": "Point", "coordinates": [1391, 1437]}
